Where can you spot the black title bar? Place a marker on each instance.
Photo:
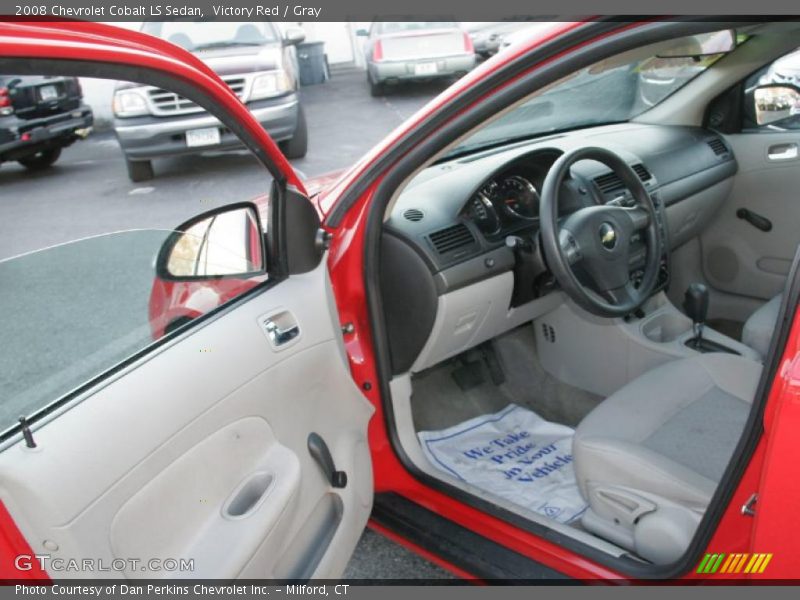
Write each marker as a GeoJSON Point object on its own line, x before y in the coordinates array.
{"type": "Point", "coordinates": [372, 10]}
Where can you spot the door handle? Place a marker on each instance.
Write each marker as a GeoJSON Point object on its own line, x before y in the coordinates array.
{"type": "Point", "coordinates": [756, 220]}
{"type": "Point", "coordinates": [281, 328]}
{"type": "Point", "coordinates": [782, 151]}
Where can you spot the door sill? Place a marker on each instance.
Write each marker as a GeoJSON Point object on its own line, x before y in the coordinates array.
{"type": "Point", "coordinates": [456, 545]}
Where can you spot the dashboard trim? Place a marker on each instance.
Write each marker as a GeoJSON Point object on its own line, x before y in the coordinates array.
{"type": "Point", "coordinates": [475, 269]}
{"type": "Point", "coordinates": [678, 158]}
{"type": "Point", "coordinates": [674, 192]}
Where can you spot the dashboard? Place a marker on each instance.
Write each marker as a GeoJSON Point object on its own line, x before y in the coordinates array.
{"type": "Point", "coordinates": [459, 223]}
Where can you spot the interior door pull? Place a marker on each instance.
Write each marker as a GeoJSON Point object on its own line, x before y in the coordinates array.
{"type": "Point", "coordinates": [321, 453]}
{"type": "Point", "coordinates": [782, 151]}
{"type": "Point", "coordinates": [756, 220]}
{"type": "Point", "coordinates": [249, 495]}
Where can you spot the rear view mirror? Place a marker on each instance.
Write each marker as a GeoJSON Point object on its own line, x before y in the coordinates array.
{"type": "Point", "coordinates": [223, 243]}
{"type": "Point", "coordinates": [294, 36]}
{"type": "Point", "coordinates": [775, 102]}
{"type": "Point", "coordinates": [362, 32]}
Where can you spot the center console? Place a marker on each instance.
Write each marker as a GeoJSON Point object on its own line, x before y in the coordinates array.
{"type": "Point", "coordinates": [601, 355]}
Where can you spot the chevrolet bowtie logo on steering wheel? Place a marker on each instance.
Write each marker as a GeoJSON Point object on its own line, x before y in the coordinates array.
{"type": "Point", "coordinates": [608, 236]}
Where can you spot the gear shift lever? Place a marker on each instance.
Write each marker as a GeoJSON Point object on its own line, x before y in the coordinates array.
{"type": "Point", "coordinates": [695, 302]}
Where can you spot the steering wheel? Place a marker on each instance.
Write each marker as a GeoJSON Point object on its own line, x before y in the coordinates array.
{"type": "Point", "coordinates": [597, 239]}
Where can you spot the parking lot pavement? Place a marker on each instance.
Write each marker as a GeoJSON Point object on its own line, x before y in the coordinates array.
{"type": "Point", "coordinates": [88, 193]}
{"type": "Point", "coordinates": [379, 558]}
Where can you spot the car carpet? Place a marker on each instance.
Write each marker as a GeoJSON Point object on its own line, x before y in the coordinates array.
{"type": "Point", "coordinates": [469, 375]}
{"type": "Point", "coordinates": [437, 401]}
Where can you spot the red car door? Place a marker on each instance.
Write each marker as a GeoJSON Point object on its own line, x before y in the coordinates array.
{"type": "Point", "coordinates": [779, 486]}
{"type": "Point", "coordinates": [248, 458]}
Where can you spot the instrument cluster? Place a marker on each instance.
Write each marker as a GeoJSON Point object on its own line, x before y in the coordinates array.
{"type": "Point", "coordinates": [509, 201]}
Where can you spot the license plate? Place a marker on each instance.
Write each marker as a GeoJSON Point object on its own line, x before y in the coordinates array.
{"type": "Point", "coordinates": [208, 136]}
{"type": "Point", "coordinates": [48, 92]}
{"type": "Point", "coordinates": [425, 69]}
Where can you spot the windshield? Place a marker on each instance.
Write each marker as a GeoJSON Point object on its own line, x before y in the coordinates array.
{"type": "Point", "coordinates": [193, 36]}
{"type": "Point", "coordinates": [611, 91]}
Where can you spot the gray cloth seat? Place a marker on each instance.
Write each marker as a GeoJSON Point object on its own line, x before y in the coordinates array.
{"type": "Point", "coordinates": [648, 458]}
{"type": "Point", "coordinates": [758, 329]}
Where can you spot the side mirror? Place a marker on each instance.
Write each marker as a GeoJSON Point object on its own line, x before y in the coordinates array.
{"type": "Point", "coordinates": [225, 243]}
{"type": "Point", "coordinates": [775, 102]}
{"type": "Point", "coordinates": [362, 33]}
{"type": "Point", "coordinates": [294, 36]}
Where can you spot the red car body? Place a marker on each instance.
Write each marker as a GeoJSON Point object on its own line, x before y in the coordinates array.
{"type": "Point", "coordinates": [771, 471]}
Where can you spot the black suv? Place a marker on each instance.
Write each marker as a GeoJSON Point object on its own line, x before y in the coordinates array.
{"type": "Point", "coordinates": [40, 115]}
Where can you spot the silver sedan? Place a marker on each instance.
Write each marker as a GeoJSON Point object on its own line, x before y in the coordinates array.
{"type": "Point", "coordinates": [423, 51]}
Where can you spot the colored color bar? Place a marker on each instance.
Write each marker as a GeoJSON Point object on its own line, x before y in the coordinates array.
{"type": "Point", "coordinates": [726, 566]}
{"type": "Point", "coordinates": [717, 563]}
{"type": "Point", "coordinates": [736, 562]}
{"type": "Point", "coordinates": [740, 564]}
{"type": "Point", "coordinates": [701, 566]}
{"type": "Point", "coordinates": [753, 563]}
{"type": "Point", "coordinates": [765, 562]}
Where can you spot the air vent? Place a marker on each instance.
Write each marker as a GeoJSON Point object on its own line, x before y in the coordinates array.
{"type": "Point", "coordinates": [451, 238]}
{"type": "Point", "coordinates": [642, 172]}
{"type": "Point", "coordinates": [414, 214]}
{"type": "Point", "coordinates": [610, 182]}
{"type": "Point", "coordinates": [718, 146]}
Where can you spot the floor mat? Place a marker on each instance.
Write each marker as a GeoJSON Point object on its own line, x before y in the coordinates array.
{"type": "Point", "coordinates": [514, 454]}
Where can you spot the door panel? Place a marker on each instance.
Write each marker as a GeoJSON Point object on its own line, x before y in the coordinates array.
{"type": "Point", "coordinates": [738, 257]}
{"type": "Point", "coordinates": [199, 452]}
{"type": "Point", "coordinates": [223, 480]}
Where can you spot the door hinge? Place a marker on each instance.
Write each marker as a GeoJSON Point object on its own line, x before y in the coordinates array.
{"type": "Point", "coordinates": [748, 508]}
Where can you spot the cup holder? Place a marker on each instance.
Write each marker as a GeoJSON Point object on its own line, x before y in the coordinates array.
{"type": "Point", "coordinates": [666, 327]}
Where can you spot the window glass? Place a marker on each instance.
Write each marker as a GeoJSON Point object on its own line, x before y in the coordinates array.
{"type": "Point", "coordinates": [95, 264]}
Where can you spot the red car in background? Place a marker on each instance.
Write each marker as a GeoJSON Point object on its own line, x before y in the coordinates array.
{"type": "Point", "coordinates": [496, 236]}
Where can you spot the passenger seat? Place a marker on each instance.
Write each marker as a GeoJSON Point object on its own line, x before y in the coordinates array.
{"type": "Point", "coordinates": [760, 326]}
